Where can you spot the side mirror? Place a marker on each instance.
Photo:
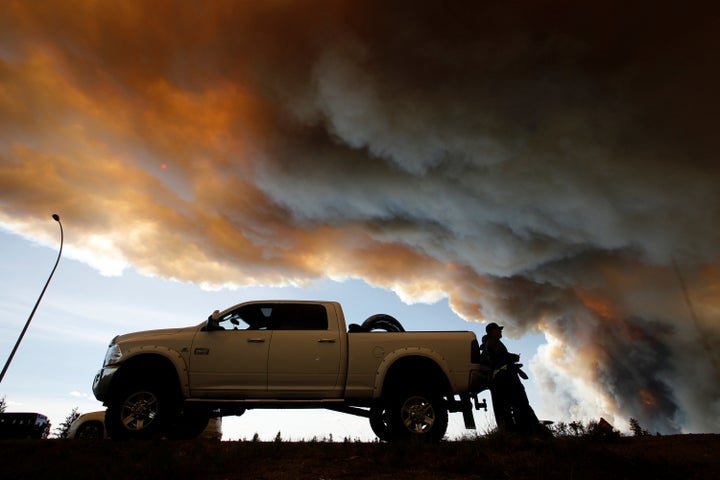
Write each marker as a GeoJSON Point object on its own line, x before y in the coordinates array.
{"type": "Point", "coordinates": [212, 321]}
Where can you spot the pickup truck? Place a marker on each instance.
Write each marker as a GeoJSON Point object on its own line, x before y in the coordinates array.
{"type": "Point", "coordinates": [290, 354]}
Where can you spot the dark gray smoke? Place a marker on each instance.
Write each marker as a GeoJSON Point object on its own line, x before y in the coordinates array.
{"type": "Point", "coordinates": [541, 164]}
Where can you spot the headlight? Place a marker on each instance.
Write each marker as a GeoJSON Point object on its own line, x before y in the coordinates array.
{"type": "Point", "coordinates": [113, 355]}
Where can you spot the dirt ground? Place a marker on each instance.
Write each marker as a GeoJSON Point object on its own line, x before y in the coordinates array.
{"type": "Point", "coordinates": [662, 457]}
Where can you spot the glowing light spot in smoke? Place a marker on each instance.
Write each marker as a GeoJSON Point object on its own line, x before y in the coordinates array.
{"type": "Point", "coordinates": [601, 307]}
{"type": "Point", "coordinates": [647, 398]}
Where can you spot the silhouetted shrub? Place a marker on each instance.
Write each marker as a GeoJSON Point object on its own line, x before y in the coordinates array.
{"type": "Point", "coordinates": [636, 429]}
{"type": "Point", "coordinates": [576, 428]}
{"type": "Point", "coordinates": [62, 431]}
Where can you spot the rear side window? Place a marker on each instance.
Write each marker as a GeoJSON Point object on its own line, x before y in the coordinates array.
{"type": "Point", "coordinates": [299, 317]}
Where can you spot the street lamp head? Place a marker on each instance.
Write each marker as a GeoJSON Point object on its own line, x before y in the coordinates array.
{"type": "Point", "coordinates": [56, 217]}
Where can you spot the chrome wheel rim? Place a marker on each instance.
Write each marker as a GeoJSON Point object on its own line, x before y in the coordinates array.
{"type": "Point", "coordinates": [139, 410]}
{"type": "Point", "coordinates": [418, 414]}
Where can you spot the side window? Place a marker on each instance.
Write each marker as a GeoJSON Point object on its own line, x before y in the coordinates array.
{"type": "Point", "coordinates": [247, 317]}
{"type": "Point", "coordinates": [300, 317]}
{"type": "Point", "coordinates": [280, 316]}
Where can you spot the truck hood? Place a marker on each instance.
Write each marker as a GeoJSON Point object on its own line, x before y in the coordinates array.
{"type": "Point", "coordinates": [150, 334]}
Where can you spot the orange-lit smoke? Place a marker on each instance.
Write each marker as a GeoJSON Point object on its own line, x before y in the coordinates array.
{"type": "Point", "coordinates": [539, 165]}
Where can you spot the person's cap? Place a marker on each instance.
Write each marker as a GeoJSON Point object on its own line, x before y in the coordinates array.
{"type": "Point", "coordinates": [493, 326]}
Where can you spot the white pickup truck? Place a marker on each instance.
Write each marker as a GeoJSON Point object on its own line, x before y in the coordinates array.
{"type": "Point", "coordinates": [289, 354]}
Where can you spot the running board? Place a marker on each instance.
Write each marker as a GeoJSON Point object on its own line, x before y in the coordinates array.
{"type": "Point", "coordinates": [357, 411]}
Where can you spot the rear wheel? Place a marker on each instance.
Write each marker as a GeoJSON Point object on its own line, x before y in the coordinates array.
{"type": "Point", "coordinates": [138, 411]}
{"type": "Point", "coordinates": [418, 415]}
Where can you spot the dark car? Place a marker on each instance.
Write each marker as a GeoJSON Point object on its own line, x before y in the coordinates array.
{"type": "Point", "coordinates": [24, 425]}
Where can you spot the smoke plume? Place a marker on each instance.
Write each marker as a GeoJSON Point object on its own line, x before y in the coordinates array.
{"type": "Point", "coordinates": [548, 165]}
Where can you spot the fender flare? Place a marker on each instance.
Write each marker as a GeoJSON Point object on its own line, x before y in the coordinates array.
{"type": "Point", "coordinates": [391, 358]}
{"type": "Point", "coordinates": [173, 356]}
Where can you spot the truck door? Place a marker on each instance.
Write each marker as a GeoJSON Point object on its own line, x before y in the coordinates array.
{"type": "Point", "coordinates": [305, 355]}
{"type": "Point", "coordinates": [231, 360]}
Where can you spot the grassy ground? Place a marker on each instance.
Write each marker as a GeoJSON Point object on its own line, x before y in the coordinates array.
{"type": "Point", "coordinates": [666, 457]}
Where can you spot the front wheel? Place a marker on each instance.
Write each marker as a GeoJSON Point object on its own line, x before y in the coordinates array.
{"type": "Point", "coordinates": [138, 412]}
{"type": "Point", "coordinates": [418, 415]}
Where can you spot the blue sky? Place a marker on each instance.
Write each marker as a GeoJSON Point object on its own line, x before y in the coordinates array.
{"type": "Point", "coordinates": [82, 310]}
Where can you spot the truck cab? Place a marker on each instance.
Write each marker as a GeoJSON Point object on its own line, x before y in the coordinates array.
{"type": "Point", "coordinates": [270, 350]}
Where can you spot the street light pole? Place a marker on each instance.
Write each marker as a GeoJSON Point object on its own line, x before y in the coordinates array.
{"type": "Point", "coordinates": [55, 217]}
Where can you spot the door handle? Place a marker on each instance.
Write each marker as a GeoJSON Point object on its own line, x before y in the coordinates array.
{"type": "Point", "coordinates": [326, 340]}
{"type": "Point", "coordinates": [256, 340]}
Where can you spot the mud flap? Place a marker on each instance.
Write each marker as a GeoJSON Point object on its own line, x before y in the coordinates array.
{"type": "Point", "coordinates": [467, 412]}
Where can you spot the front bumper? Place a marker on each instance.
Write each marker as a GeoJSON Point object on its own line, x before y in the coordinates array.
{"type": "Point", "coordinates": [102, 382]}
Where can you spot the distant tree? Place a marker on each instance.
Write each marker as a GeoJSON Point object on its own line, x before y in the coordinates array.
{"type": "Point", "coordinates": [636, 429]}
{"type": "Point", "coordinates": [3, 405]}
{"type": "Point", "coordinates": [278, 437]}
{"type": "Point", "coordinates": [560, 429]}
{"type": "Point", "coordinates": [62, 431]}
{"type": "Point", "coordinates": [577, 428]}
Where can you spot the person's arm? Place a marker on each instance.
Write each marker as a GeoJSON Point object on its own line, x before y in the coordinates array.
{"type": "Point", "coordinates": [499, 355]}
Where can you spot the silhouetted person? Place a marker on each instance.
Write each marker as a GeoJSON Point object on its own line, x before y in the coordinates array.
{"type": "Point", "coordinates": [502, 415]}
{"type": "Point", "coordinates": [510, 403]}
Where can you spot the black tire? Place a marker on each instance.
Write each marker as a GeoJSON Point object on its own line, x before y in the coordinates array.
{"type": "Point", "coordinates": [139, 411]}
{"type": "Point", "coordinates": [91, 431]}
{"type": "Point", "coordinates": [382, 321]}
{"type": "Point", "coordinates": [380, 422]}
{"type": "Point", "coordinates": [418, 415]}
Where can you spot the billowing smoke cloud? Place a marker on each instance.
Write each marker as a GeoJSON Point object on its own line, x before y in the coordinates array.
{"type": "Point", "coordinates": [549, 166]}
